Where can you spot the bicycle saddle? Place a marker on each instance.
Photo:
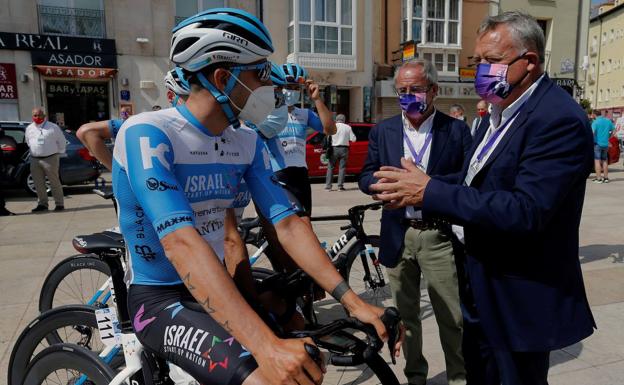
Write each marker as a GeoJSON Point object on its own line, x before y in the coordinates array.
{"type": "Point", "coordinates": [98, 242]}
{"type": "Point", "coordinates": [249, 223]}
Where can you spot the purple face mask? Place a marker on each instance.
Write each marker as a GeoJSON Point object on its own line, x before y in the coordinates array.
{"type": "Point", "coordinates": [413, 104]}
{"type": "Point", "coordinates": [491, 81]}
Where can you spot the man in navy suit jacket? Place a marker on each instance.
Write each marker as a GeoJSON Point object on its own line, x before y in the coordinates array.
{"type": "Point", "coordinates": [409, 245]}
{"type": "Point", "coordinates": [519, 201]}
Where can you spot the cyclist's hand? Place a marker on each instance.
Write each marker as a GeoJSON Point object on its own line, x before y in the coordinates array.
{"type": "Point", "coordinates": [313, 90]}
{"type": "Point", "coordinates": [371, 314]}
{"type": "Point", "coordinates": [286, 362]}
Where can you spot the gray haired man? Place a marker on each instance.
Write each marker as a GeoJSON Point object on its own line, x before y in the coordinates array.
{"type": "Point", "coordinates": [339, 152]}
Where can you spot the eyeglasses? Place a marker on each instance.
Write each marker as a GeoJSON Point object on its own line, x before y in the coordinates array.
{"type": "Point", "coordinates": [263, 69]}
{"type": "Point", "coordinates": [291, 79]}
{"type": "Point", "coordinates": [412, 90]}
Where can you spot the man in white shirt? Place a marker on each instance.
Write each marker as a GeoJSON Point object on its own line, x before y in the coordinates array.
{"type": "Point", "coordinates": [339, 152]}
{"type": "Point", "coordinates": [46, 142]}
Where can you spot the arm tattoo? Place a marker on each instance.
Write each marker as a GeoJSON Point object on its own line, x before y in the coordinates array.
{"type": "Point", "coordinates": [206, 304]}
{"type": "Point", "coordinates": [226, 326]}
{"type": "Point", "coordinates": [187, 281]}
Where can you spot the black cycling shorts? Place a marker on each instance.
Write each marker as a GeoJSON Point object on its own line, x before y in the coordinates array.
{"type": "Point", "coordinates": [297, 182]}
{"type": "Point", "coordinates": [191, 339]}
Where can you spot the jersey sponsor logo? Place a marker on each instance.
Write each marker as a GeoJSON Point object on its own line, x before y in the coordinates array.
{"type": "Point", "coordinates": [267, 159]}
{"type": "Point", "coordinates": [200, 153]}
{"type": "Point", "coordinates": [148, 153]}
{"type": "Point", "coordinates": [160, 185]}
{"type": "Point", "coordinates": [174, 221]}
{"type": "Point", "coordinates": [210, 226]}
{"type": "Point", "coordinates": [186, 342]}
{"type": "Point", "coordinates": [140, 228]}
{"type": "Point", "coordinates": [206, 185]}
{"type": "Point", "coordinates": [209, 211]}
{"type": "Point", "coordinates": [145, 252]}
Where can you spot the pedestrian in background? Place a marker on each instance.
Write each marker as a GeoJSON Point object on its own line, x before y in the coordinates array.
{"type": "Point", "coordinates": [339, 152]}
{"type": "Point", "coordinates": [8, 148]}
{"type": "Point", "coordinates": [410, 244]}
{"type": "Point", "coordinates": [602, 129]}
{"type": "Point", "coordinates": [46, 142]}
{"type": "Point", "coordinates": [457, 111]}
{"type": "Point", "coordinates": [482, 117]}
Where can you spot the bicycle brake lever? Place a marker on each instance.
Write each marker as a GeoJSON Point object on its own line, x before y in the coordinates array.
{"type": "Point", "coordinates": [314, 353]}
{"type": "Point", "coordinates": [391, 319]}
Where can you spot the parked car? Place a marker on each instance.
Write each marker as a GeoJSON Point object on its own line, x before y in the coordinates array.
{"type": "Point", "coordinates": [317, 160]}
{"type": "Point", "coordinates": [77, 167]}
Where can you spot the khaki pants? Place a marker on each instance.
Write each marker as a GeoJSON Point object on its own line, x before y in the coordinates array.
{"type": "Point", "coordinates": [429, 252]}
{"type": "Point", "coordinates": [42, 167]}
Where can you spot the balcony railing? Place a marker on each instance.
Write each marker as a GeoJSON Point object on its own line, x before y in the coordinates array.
{"type": "Point", "coordinates": [71, 21]}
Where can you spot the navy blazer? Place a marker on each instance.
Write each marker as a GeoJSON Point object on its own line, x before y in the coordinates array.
{"type": "Point", "coordinates": [521, 217]}
{"type": "Point", "coordinates": [450, 144]}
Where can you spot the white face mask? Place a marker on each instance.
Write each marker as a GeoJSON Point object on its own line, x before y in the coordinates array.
{"type": "Point", "coordinates": [274, 123]}
{"type": "Point", "coordinates": [260, 103]}
{"type": "Point", "coordinates": [291, 97]}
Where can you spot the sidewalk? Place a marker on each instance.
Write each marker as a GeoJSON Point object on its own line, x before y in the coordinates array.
{"type": "Point", "coordinates": [30, 245]}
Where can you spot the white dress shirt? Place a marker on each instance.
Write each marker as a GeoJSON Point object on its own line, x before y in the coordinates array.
{"type": "Point", "coordinates": [344, 134]}
{"type": "Point", "coordinates": [498, 118]}
{"type": "Point", "coordinates": [417, 138]}
{"type": "Point", "coordinates": [45, 139]}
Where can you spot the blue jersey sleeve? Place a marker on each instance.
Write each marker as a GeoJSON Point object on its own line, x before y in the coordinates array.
{"type": "Point", "coordinates": [150, 170]}
{"type": "Point", "coordinates": [113, 126]}
{"type": "Point", "coordinates": [267, 194]}
{"type": "Point", "coordinates": [314, 121]}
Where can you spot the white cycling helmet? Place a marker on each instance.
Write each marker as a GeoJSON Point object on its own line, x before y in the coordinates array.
{"type": "Point", "coordinates": [175, 81]}
{"type": "Point", "coordinates": [220, 35]}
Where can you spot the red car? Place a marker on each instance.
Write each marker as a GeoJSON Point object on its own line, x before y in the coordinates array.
{"type": "Point", "coordinates": [317, 160]}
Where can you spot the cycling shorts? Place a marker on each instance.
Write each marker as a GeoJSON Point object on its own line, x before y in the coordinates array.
{"type": "Point", "coordinates": [166, 323]}
{"type": "Point", "coordinates": [298, 184]}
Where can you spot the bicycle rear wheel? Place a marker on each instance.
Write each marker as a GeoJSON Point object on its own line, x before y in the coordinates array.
{"type": "Point", "coordinates": [65, 364]}
{"type": "Point", "coordinates": [74, 280]}
{"type": "Point", "coordinates": [71, 323]}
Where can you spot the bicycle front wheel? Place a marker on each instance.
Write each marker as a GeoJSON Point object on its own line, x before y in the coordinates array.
{"type": "Point", "coordinates": [366, 279]}
{"type": "Point", "coordinates": [75, 280]}
{"type": "Point", "coordinates": [67, 364]}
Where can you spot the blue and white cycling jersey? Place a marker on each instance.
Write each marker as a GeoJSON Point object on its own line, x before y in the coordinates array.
{"type": "Point", "coordinates": [291, 142]}
{"type": "Point", "coordinates": [170, 172]}
{"type": "Point", "coordinates": [114, 125]}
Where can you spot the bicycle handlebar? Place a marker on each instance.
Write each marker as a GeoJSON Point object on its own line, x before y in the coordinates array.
{"type": "Point", "coordinates": [390, 318]}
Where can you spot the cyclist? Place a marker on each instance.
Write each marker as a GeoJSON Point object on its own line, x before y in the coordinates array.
{"type": "Point", "coordinates": [174, 170]}
{"type": "Point", "coordinates": [94, 134]}
{"type": "Point", "coordinates": [293, 138]}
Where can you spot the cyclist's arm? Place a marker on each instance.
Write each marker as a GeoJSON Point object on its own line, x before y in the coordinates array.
{"type": "Point", "coordinates": [237, 259]}
{"type": "Point", "coordinates": [150, 159]}
{"type": "Point", "coordinates": [93, 135]}
{"type": "Point", "coordinates": [324, 121]}
{"type": "Point", "coordinates": [299, 240]}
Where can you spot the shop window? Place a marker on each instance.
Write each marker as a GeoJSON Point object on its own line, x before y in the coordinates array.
{"type": "Point", "coordinates": [72, 17]}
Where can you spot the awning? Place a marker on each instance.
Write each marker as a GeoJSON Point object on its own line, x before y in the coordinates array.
{"type": "Point", "coordinates": [76, 72]}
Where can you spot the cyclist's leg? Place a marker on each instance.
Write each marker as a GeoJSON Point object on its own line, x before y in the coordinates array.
{"type": "Point", "coordinates": [188, 338]}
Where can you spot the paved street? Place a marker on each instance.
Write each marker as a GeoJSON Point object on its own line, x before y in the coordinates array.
{"type": "Point", "coordinates": [30, 245]}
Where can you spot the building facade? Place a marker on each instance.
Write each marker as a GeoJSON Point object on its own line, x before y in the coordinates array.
{"type": "Point", "coordinates": [565, 25]}
{"type": "Point", "coordinates": [84, 59]}
{"type": "Point", "coordinates": [605, 76]}
{"type": "Point", "coordinates": [444, 32]}
{"type": "Point", "coordinates": [331, 39]}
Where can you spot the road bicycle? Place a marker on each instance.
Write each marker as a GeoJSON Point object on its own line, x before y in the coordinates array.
{"type": "Point", "coordinates": [340, 339]}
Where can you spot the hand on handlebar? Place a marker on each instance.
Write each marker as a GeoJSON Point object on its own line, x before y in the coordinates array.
{"type": "Point", "coordinates": [287, 362]}
{"type": "Point", "coordinates": [371, 314]}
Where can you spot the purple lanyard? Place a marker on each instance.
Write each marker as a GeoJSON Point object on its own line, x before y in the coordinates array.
{"type": "Point", "coordinates": [418, 156]}
{"type": "Point", "coordinates": [492, 139]}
